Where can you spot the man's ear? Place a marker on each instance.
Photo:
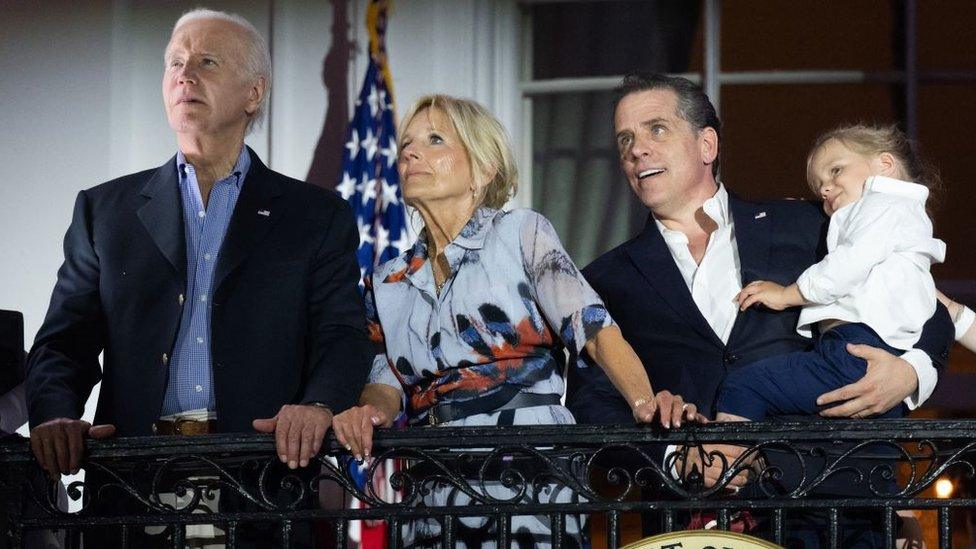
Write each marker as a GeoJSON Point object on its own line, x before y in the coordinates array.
{"type": "Point", "coordinates": [255, 94]}
{"type": "Point", "coordinates": [708, 145]}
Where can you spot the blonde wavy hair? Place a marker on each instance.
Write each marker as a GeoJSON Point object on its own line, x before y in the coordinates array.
{"type": "Point", "coordinates": [484, 139]}
{"type": "Point", "coordinates": [870, 140]}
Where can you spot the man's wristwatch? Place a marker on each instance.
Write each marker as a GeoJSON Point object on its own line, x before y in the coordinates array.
{"type": "Point", "coordinates": [320, 405]}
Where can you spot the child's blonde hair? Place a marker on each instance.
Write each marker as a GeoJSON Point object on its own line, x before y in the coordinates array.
{"type": "Point", "coordinates": [870, 140]}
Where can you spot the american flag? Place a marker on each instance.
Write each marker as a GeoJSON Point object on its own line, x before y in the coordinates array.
{"type": "Point", "coordinates": [371, 184]}
{"type": "Point", "coordinates": [370, 181]}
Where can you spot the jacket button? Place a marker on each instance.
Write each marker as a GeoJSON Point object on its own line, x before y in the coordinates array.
{"type": "Point", "coordinates": [165, 359]}
{"type": "Point", "coordinates": [729, 358]}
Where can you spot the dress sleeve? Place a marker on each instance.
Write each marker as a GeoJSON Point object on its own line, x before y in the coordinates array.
{"type": "Point", "coordinates": [567, 301]}
{"type": "Point", "coordinates": [382, 370]}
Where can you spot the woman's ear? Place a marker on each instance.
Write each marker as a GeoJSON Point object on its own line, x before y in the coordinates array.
{"type": "Point", "coordinates": [482, 181]}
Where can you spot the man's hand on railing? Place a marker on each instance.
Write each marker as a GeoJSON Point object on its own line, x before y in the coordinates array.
{"type": "Point", "coordinates": [58, 444]}
{"type": "Point", "coordinates": [705, 461]}
{"type": "Point", "coordinates": [298, 430]}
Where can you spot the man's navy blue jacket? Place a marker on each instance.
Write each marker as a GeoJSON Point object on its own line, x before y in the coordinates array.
{"type": "Point", "coordinates": [647, 296]}
{"type": "Point", "coordinates": [287, 326]}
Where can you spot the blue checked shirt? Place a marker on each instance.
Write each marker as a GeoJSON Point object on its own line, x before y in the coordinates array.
{"type": "Point", "coordinates": [190, 385]}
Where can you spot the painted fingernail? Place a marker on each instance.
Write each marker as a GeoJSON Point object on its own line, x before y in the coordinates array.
{"type": "Point", "coordinates": [348, 448]}
{"type": "Point", "coordinates": [283, 458]}
{"type": "Point", "coordinates": [292, 465]}
{"type": "Point", "coordinates": [304, 462]}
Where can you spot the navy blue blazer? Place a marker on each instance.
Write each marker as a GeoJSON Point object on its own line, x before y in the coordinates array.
{"type": "Point", "coordinates": [288, 324]}
{"type": "Point", "coordinates": [647, 296]}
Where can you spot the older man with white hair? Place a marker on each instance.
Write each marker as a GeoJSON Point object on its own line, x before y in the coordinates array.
{"type": "Point", "coordinates": [222, 294]}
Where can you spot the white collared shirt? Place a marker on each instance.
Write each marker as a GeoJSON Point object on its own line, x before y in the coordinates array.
{"type": "Point", "coordinates": [716, 281]}
{"type": "Point", "coordinates": [876, 271]}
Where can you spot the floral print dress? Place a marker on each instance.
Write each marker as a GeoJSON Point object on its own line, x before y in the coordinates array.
{"type": "Point", "coordinates": [512, 303]}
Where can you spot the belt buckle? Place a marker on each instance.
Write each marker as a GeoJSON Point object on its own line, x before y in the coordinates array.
{"type": "Point", "coordinates": [432, 418]}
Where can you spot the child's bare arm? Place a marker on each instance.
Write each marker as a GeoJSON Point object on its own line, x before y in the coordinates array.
{"type": "Point", "coordinates": [770, 294]}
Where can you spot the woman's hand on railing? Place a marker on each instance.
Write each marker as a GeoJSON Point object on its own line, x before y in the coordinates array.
{"type": "Point", "coordinates": [354, 428]}
{"type": "Point", "coordinates": [671, 410]}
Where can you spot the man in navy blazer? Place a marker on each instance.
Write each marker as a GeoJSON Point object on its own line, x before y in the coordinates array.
{"type": "Point", "coordinates": [223, 295]}
{"type": "Point", "coordinates": [671, 287]}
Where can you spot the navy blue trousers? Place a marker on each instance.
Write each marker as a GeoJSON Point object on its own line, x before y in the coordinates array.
{"type": "Point", "coordinates": [790, 384]}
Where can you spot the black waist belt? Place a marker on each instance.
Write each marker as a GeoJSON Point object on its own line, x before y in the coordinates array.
{"type": "Point", "coordinates": [501, 400]}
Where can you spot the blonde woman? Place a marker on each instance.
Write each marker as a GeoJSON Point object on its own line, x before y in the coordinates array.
{"type": "Point", "coordinates": [476, 315]}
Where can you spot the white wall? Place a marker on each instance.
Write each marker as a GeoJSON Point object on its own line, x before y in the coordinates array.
{"type": "Point", "coordinates": [80, 99]}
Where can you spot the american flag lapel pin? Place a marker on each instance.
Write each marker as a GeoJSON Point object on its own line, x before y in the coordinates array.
{"type": "Point", "coordinates": [760, 215]}
{"type": "Point", "coordinates": [265, 213]}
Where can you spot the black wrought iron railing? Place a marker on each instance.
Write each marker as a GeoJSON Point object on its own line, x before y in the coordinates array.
{"type": "Point", "coordinates": [558, 472]}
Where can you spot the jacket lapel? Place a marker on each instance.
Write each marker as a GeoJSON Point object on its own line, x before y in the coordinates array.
{"type": "Point", "coordinates": [752, 225]}
{"type": "Point", "coordinates": [653, 259]}
{"type": "Point", "coordinates": [254, 215]}
{"type": "Point", "coordinates": [162, 216]}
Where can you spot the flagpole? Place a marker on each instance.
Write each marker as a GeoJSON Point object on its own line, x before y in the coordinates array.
{"type": "Point", "coordinates": [376, 17]}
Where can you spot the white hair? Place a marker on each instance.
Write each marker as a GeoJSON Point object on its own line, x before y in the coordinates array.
{"type": "Point", "coordinates": [257, 56]}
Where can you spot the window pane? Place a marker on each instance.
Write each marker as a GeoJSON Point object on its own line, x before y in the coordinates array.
{"type": "Point", "coordinates": [767, 131]}
{"type": "Point", "coordinates": [945, 122]}
{"type": "Point", "coordinates": [791, 35]}
{"type": "Point", "coordinates": [577, 39]}
{"type": "Point", "coordinates": [576, 181]}
{"type": "Point", "coordinates": [947, 35]}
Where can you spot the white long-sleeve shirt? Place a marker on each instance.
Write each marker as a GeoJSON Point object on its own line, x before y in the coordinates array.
{"type": "Point", "coordinates": [876, 271]}
{"type": "Point", "coordinates": [715, 282]}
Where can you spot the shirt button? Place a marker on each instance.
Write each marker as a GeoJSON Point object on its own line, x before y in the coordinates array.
{"type": "Point", "coordinates": [198, 388]}
{"type": "Point", "coordinates": [206, 256]}
{"type": "Point", "coordinates": [201, 214]}
{"type": "Point", "coordinates": [199, 340]}
{"type": "Point", "coordinates": [203, 297]}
